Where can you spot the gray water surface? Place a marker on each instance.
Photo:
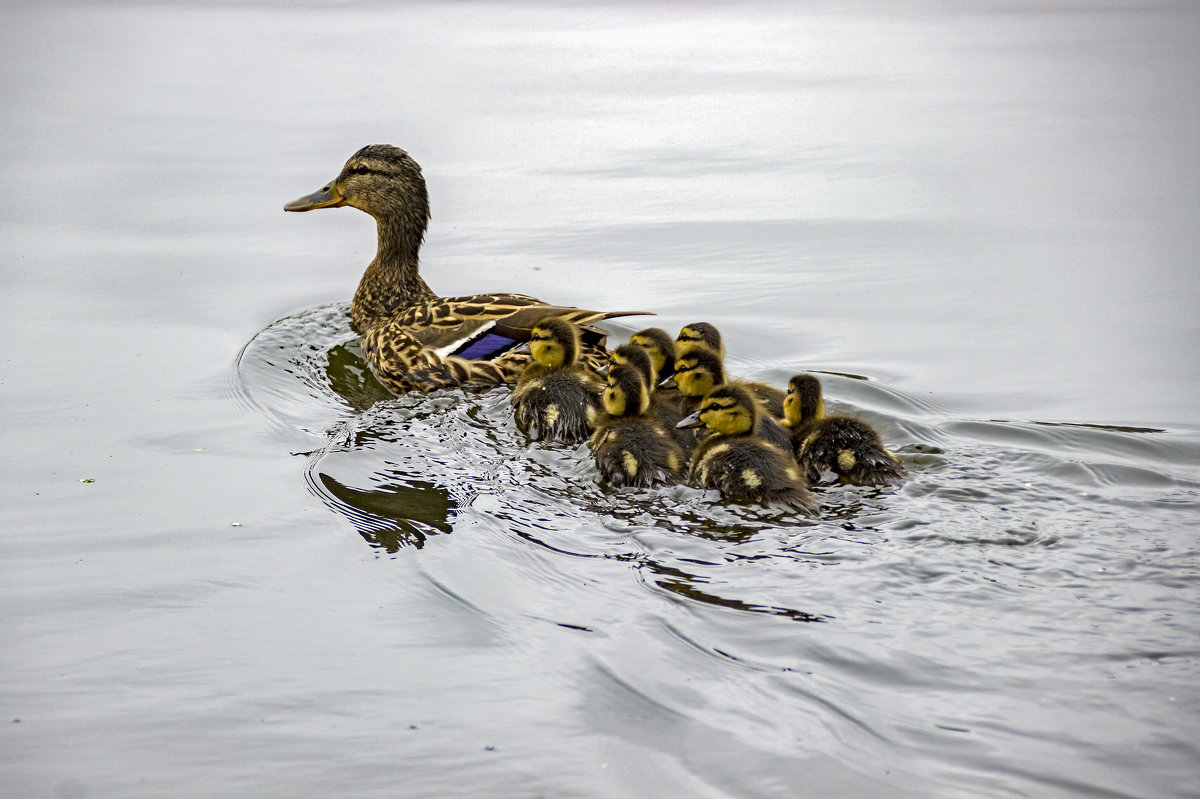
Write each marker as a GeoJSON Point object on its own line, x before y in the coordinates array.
{"type": "Point", "coordinates": [234, 566]}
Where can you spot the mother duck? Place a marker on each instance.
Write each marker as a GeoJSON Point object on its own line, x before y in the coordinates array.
{"type": "Point", "coordinates": [412, 338]}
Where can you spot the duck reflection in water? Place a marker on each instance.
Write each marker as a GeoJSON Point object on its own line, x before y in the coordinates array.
{"type": "Point", "coordinates": [390, 515]}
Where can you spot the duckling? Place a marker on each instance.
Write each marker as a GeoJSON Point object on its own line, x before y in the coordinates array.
{"type": "Point", "coordinates": [702, 335]}
{"type": "Point", "coordinates": [699, 334]}
{"type": "Point", "coordinates": [843, 444]}
{"type": "Point", "coordinates": [666, 405]}
{"type": "Point", "coordinates": [632, 447]}
{"type": "Point", "coordinates": [556, 397]}
{"type": "Point", "coordinates": [740, 464]}
{"type": "Point", "coordinates": [699, 370]}
{"type": "Point", "coordinates": [658, 344]}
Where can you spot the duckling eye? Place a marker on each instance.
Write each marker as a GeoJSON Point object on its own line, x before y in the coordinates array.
{"type": "Point", "coordinates": [361, 169]}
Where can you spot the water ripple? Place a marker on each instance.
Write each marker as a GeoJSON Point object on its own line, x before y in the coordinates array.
{"type": "Point", "coordinates": [1041, 550]}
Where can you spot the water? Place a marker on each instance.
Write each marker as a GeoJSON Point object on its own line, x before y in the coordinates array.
{"type": "Point", "coordinates": [979, 223]}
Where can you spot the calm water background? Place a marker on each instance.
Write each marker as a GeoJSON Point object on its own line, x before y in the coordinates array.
{"type": "Point", "coordinates": [233, 567]}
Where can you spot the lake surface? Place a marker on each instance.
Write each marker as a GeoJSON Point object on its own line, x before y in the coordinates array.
{"type": "Point", "coordinates": [234, 566]}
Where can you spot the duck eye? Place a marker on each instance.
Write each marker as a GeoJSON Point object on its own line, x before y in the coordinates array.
{"type": "Point", "coordinates": [361, 169]}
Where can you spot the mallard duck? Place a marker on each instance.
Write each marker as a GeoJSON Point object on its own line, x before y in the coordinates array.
{"type": "Point", "coordinates": [699, 371]}
{"type": "Point", "coordinates": [843, 444]}
{"type": "Point", "coordinates": [632, 447]}
{"type": "Point", "coordinates": [556, 398]}
{"type": "Point", "coordinates": [412, 338]}
{"type": "Point", "coordinates": [736, 461]}
{"type": "Point", "coordinates": [702, 335]}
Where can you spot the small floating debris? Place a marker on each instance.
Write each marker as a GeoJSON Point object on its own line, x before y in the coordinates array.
{"type": "Point", "coordinates": [235, 524]}
{"type": "Point", "coordinates": [86, 480]}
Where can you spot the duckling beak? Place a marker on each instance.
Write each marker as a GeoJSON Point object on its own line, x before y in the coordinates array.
{"type": "Point", "coordinates": [668, 382]}
{"type": "Point", "coordinates": [327, 197]}
{"type": "Point", "coordinates": [690, 421]}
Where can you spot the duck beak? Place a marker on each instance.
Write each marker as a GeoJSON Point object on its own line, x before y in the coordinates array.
{"type": "Point", "coordinates": [690, 421]}
{"type": "Point", "coordinates": [668, 383]}
{"type": "Point", "coordinates": [327, 197]}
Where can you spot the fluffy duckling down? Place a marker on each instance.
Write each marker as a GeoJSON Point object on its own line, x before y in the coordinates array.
{"type": "Point", "coordinates": [556, 398]}
{"type": "Point", "coordinates": [631, 446]}
{"type": "Point", "coordinates": [699, 371]}
{"type": "Point", "coordinates": [705, 336]}
{"type": "Point", "coordinates": [843, 444]}
{"type": "Point", "coordinates": [737, 462]}
{"type": "Point", "coordinates": [658, 345]}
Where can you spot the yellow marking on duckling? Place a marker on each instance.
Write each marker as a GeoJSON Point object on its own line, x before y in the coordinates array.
{"type": "Point", "coordinates": [631, 463]}
{"type": "Point", "coordinates": [589, 413]}
{"type": "Point", "coordinates": [717, 450]}
{"type": "Point", "coordinates": [846, 460]}
{"type": "Point", "coordinates": [673, 461]}
{"type": "Point", "coordinates": [551, 414]}
{"type": "Point", "coordinates": [751, 478]}
{"type": "Point", "coordinates": [792, 473]}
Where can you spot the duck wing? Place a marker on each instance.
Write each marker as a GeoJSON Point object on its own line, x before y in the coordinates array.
{"type": "Point", "coordinates": [468, 341]}
{"type": "Point", "coordinates": [457, 325]}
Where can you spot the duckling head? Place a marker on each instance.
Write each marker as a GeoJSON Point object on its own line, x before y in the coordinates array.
{"type": "Point", "coordinates": [658, 344]}
{"type": "Point", "coordinates": [727, 410]}
{"type": "Point", "coordinates": [626, 393]}
{"type": "Point", "coordinates": [383, 181]}
{"type": "Point", "coordinates": [554, 343]}
{"type": "Point", "coordinates": [636, 357]}
{"type": "Point", "coordinates": [804, 402]}
{"type": "Point", "coordinates": [698, 371]}
{"type": "Point", "coordinates": [699, 335]}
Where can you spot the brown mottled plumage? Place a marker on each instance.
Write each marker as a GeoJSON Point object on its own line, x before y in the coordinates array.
{"type": "Point", "coordinates": [631, 446]}
{"type": "Point", "coordinates": [413, 339]}
{"type": "Point", "coordinates": [556, 398]}
{"type": "Point", "coordinates": [739, 463]}
{"type": "Point", "coordinates": [842, 444]}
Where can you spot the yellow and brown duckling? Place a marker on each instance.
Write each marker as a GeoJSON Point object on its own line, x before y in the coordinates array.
{"type": "Point", "coordinates": [699, 334]}
{"type": "Point", "coordinates": [412, 338]}
{"type": "Point", "coordinates": [702, 335]}
{"type": "Point", "coordinates": [631, 446]}
{"type": "Point", "coordinates": [699, 370]}
{"type": "Point", "coordinates": [840, 443]}
{"type": "Point", "coordinates": [665, 404]}
{"type": "Point", "coordinates": [739, 463]}
{"type": "Point", "coordinates": [658, 344]}
{"type": "Point", "coordinates": [556, 397]}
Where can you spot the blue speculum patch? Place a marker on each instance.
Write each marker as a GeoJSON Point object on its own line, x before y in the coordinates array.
{"type": "Point", "coordinates": [488, 346]}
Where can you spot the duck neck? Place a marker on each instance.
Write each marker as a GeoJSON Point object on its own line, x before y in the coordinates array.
{"type": "Point", "coordinates": [393, 281]}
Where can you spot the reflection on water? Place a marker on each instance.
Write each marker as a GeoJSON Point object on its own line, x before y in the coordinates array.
{"type": "Point", "coordinates": [391, 514]}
